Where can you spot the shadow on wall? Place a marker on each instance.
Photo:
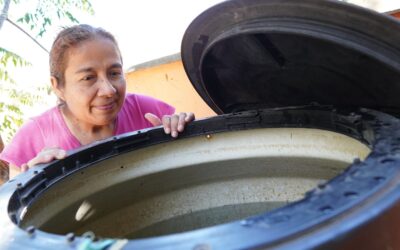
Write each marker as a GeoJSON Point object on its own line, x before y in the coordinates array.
{"type": "Point", "coordinates": [165, 79]}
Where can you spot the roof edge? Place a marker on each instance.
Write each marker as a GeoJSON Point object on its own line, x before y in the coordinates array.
{"type": "Point", "coordinates": [159, 61]}
{"type": "Point", "coordinates": [393, 12]}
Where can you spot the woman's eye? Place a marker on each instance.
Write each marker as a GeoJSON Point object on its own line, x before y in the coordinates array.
{"type": "Point", "coordinates": [115, 74]}
{"type": "Point", "coordinates": [87, 78]}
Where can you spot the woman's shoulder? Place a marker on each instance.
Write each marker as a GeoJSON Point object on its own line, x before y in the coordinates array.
{"type": "Point", "coordinates": [46, 118]}
{"type": "Point", "coordinates": [140, 99]}
{"type": "Point", "coordinates": [148, 103]}
{"type": "Point", "coordinates": [36, 121]}
{"type": "Point", "coordinates": [28, 140]}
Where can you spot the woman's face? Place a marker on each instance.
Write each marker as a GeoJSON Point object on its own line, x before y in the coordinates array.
{"type": "Point", "coordinates": [94, 88]}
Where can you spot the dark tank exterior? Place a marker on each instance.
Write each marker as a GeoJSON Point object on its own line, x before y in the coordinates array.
{"type": "Point", "coordinates": [305, 153]}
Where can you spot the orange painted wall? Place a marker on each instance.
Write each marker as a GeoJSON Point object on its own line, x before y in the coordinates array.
{"type": "Point", "coordinates": [168, 82]}
{"type": "Point", "coordinates": [396, 14]}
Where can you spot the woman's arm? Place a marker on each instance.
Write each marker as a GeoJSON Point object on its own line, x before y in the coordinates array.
{"type": "Point", "coordinates": [13, 170]}
{"type": "Point", "coordinates": [45, 156]}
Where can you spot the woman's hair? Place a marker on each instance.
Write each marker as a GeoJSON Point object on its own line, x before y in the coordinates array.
{"type": "Point", "coordinates": [69, 38]}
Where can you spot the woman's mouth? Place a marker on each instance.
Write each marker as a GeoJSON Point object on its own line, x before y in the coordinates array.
{"type": "Point", "coordinates": [106, 107]}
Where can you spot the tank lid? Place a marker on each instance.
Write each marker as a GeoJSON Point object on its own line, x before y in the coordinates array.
{"type": "Point", "coordinates": [246, 54]}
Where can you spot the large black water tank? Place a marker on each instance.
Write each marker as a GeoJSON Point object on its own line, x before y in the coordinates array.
{"type": "Point", "coordinates": [305, 153]}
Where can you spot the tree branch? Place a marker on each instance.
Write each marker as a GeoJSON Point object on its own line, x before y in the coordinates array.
{"type": "Point", "coordinates": [26, 33]}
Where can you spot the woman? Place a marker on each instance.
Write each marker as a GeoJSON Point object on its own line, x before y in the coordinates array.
{"type": "Point", "coordinates": [87, 77]}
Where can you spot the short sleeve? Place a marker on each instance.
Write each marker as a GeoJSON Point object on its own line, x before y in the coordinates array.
{"type": "Point", "coordinates": [25, 145]}
{"type": "Point", "coordinates": [155, 106]}
{"type": "Point", "coordinates": [131, 117]}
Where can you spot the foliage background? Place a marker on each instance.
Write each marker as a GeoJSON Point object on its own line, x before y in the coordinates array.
{"type": "Point", "coordinates": [33, 18]}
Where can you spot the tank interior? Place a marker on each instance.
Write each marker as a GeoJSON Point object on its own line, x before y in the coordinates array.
{"type": "Point", "coordinates": [193, 183]}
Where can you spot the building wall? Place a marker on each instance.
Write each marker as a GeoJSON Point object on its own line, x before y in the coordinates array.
{"type": "Point", "coordinates": [168, 82]}
{"type": "Point", "coordinates": [378, 5]}
{"type": "Point", "coordinates": [395, 13]}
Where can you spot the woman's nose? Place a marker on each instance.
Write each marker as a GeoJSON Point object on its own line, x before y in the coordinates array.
{"type": "Point", "coordinates": [106, 88]}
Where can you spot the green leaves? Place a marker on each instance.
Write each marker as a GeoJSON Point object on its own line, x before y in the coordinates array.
{"type": "Point", "coordinates": [15, 99]}
{"type": "Point", "coordinates": [13, 109]}
{"type": "Point", "coordinates": [10, 120]}
{"type": "Point", "coordinates": [11, 116]}
{"type": "Point", "coordinates": [40, 19]}
{"type": "Point", "coordinates": [6, 58]}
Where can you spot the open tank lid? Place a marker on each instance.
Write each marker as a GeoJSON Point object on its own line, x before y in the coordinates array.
{"type": "Point", "coordinates": [246, 54]}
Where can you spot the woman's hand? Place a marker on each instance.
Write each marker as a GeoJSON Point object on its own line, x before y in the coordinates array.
{"type": "Point", "coordinates": [173, 124]}
{"type": "Point", "coordinates": [45, 156]}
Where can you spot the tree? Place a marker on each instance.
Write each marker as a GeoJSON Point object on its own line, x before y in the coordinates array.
{"type": "Point", "coordinates": [37, 21]}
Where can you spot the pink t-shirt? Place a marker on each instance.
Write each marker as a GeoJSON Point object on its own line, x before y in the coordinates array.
{"type": "Point", "coordinates": [49, 129]}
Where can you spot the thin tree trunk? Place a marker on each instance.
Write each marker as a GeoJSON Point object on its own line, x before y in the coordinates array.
{"type": "Point", "coordinates": [26, 33]}
{"type": "Point", "coordinates": [4, 12]}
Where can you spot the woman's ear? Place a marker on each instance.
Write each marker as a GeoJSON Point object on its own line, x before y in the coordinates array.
{"type": "Point", "coordinates": [56, 86]}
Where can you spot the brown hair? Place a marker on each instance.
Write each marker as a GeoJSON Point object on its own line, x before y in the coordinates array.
{"type": "Point", "coordinates": [68, 38]}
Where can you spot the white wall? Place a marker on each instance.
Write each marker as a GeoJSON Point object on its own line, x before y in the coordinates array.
{"type": "Point", "coordinates": [378, 5]}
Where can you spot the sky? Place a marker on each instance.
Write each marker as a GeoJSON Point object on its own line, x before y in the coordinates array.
{"type": "Point", "coordinates": [145, 30]}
